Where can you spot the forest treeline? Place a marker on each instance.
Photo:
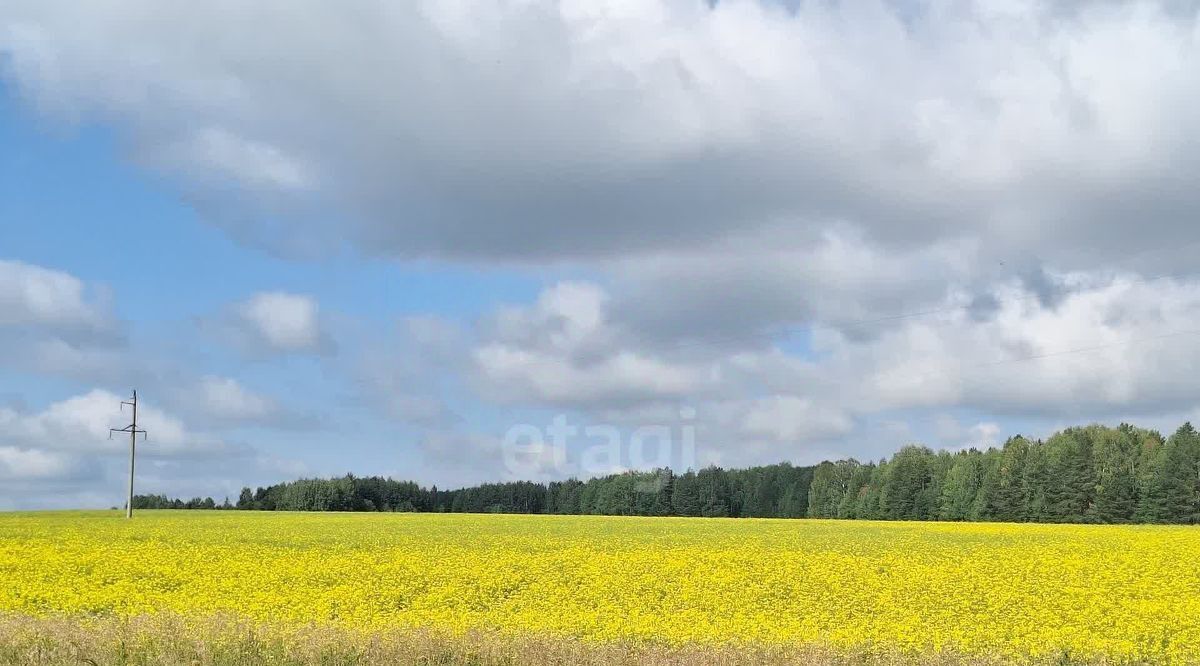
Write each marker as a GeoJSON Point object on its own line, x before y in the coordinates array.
{"type": "Point", "coordinates": [770, 491]}
{"type": "Point", "coordinates": [1092, 474]}
{"type": "Point", "coordinates": [1089, 474]}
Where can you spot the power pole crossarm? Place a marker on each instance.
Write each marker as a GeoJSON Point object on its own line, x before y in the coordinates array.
{"type": "Point", "coordinates": [133, 431]}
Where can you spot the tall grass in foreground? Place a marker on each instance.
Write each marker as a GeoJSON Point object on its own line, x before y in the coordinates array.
{"type": "Point", "coordinates": [172, 641]}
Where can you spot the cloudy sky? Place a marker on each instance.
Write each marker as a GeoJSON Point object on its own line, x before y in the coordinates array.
{"type": "Point", "coordinates": [322, 238]}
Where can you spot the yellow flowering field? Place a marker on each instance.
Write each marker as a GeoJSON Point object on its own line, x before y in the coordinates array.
{"type": "Point", "coordinates": [1105, 593]}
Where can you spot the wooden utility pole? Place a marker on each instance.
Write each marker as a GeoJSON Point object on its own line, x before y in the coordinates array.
{"type": "Point", "coordinates": [133, 431]}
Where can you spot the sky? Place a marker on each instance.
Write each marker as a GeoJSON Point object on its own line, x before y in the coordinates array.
{"type": "Point", "coordinates": [456, 241]}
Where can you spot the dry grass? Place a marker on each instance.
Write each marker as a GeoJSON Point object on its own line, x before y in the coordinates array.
{"type": "Point", "coordinates": [169, 641]}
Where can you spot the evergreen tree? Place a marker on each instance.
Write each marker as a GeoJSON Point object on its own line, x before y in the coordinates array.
{"type": "Point", "coordinates": [1083, 474]}
{"type": "Point", "coordinates": [1115, 455]}
{"type": "Point", "coordinates": [714, 492]}
{"type": "Point", "coordinates": [960, 487]}
{"type": "Point", "coordinates": [665, 480]}
{"type": "Point", "coordinates": [1189, 466]}
{"type": "Point", "coordinates": [987, 499]}
{"type": "Point", "coordinates": [791, 505]}
{"type": "Point", "coordinates": [860, 481]}
{"type": "Point", "coordinates": [1151, 503]}
{"type": "Point", "coordinates": [686, 499]}
{"type": "Point", "coordinates": [1069, 495]}
{"type": "Point", "coordinates": [870, 504]}
{"type": "Point", "coordinates": [905, 491]}
{"type": "Point", "coordinates": [246, 499]}
{"type": "Point", "coordinates": [1172, 484]}
{"type": "Point", "coordinates": [1034, 484]}
{"type": "Point", "coordinates": [1009, 505]}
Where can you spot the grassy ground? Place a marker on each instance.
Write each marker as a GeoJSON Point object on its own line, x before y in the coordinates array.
{"type": "Point", "coordinates": [165, 641]}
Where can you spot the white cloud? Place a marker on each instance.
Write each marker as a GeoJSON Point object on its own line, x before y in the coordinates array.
{"type": "Point", "coordinates": [953, 435]}
{"type": "Point", "coordinates": [218, 151]}
{"type": "Point", "coordinates": [600, 128]}
{"type": "Point", "coordinates": [36, 296]}
{"type": "Point", "coordinates": [225, 400]}
{"type": "Point", "coordinates": [81, 425]}
{"type": "Point", "coordinates": [742, 294]}
{"type": "Point", "coordinates": [280, 322]}
{"type": "Point", "coordinates": [53, 323]}
{"type": "Point", "coordinates": [1120, 342]}
{"type": "Point", "coordinates": [33, 464]}
{"type": "Point", "coordinates": [785, 418]}
{"type": "Point", "coordinates": [61, 455]}
{"type": "Point", "coordinates": [552, 378]}
{"type": "Point", "coordinates": [984, 435]}
{"type": "Point", "coordinates": [743, 183]}
{"type": "Point", "coordinates": [562, 350]}
{"type": "Point", "coordinates": [1104, 344]}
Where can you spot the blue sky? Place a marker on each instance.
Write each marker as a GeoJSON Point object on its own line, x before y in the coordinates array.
{"type": "Point", "coordinates": [413, 241]}
{"type": "Point", "coordinates": [76, 204]}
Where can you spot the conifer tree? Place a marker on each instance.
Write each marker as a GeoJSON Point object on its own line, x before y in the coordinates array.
{"type": "Point", "coordinates": [1009, 505]}
{"type": "Point", "coordinates": [1115, 455]}
{"type": "Point", "coordinates": [960, 487]}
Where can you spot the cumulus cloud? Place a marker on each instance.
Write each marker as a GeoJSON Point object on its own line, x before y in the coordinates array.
{"type": "Point", "coordinates": [1108, 344]}
{"type": "Point", "coordinates": [81, 425]}
{"type": "Point", "coordinates": [224, 397]}
{"type": "Point", "coordinates": [951, 433]}
{"type": "Point", "coordinates": [61, 455]}
{"type": "Point", "coordinates": [275, 322]}
{"type": "Point", "coordinates": [745, 294]}
{"type": "Point", "coordinates": [567, 351]}
{"type": "Point", "coordinates": [784, 418]}
{"type": "Point", "coordinates": [1114, 342]}
{"type": "Point", "coordinates": [33, 464]}
{"type": "Point", "coordinates": [54, 323]}
{"type": "Point", "coordinates": [794, 217]}
{"type": "Point", "coordinates": [225, 402]}
{"type": "Point", "coordinates": [614, 127]}
{"type": "Point", "coordinates": [217, 151]}
{"type": "Point", "coordinates": [562, 350]}
{"type": "Point", "coordinates": [45, 298]}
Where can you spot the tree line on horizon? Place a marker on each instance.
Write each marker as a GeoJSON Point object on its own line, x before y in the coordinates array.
{"type": "Point", "coordinates": [1092, 474]}
{"type": "Point", "coordinates": [770, 491]}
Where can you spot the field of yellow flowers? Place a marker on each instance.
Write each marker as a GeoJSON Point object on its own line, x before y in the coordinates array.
{"type": "Point", "coordinates": [1010, 592]}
